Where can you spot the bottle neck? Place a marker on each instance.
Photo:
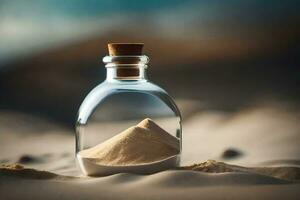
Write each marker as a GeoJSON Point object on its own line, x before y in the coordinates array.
{"type": "Point", "coordinates": [122, 73]}
{"type": "Point", "coordinates": [124, 68]}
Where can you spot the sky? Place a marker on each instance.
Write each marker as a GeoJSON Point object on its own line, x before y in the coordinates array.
{"type": "Point", "coordinates": [27, 27]}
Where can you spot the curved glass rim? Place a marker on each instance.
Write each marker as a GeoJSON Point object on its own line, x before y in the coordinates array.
{"type": "Point", "coordinates": [123, 59]}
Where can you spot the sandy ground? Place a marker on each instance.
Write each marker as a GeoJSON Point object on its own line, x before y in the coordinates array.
{"type": "Point", "coordinates": [263, 138]}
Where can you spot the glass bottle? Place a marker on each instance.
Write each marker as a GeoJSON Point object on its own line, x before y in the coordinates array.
{"type": "Point", "coordinates": [124, 99]}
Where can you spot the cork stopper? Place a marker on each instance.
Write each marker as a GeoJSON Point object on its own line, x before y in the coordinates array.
{"type": "Point", "coordinates": [125, 49]}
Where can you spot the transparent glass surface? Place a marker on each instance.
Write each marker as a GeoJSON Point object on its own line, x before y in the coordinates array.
{"type": "Point", "coordinates": [115, 105]}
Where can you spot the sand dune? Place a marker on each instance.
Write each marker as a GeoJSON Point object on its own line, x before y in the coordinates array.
{"type": "Point", "coordinates": [211, 166]}
{"type": "Point", "coordinates": [182, 175]}
{"type": "Point", "coordinates": [265, 167]}
{"type": "Point", "coordinates": [175, 184]}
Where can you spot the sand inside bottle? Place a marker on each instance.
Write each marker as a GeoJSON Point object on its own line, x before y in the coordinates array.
{"type": "Point", "coordinates": [144, 148]}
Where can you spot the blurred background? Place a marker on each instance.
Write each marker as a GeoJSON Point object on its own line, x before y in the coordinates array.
{"type": "Point", "coordinates": [213, 55]}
